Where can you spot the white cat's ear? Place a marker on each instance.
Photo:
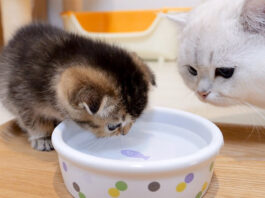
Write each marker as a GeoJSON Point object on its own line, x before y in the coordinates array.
{"type": "Point", "coordinates": [180, 18]}
{"type": "Point", "coordinates": [253, 16]}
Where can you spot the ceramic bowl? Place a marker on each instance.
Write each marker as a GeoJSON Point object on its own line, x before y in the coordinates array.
{"type": "Point", "coordinates": [167, 154]}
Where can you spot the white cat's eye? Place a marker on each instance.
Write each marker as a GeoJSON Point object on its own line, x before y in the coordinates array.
{"type": "Point", "coordinates": [192, 70]}
{"type": "Point", "coordinates": [225, 72]}
{"type": "Point", "coordinates": [112, 127]}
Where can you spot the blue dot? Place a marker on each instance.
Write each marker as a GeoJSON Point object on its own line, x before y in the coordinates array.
{"type": "Point", "coordinates": [189, 178]}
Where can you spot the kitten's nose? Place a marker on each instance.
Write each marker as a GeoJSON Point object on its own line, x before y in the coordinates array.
{"type": "Point", "coordinates": [203, 94]}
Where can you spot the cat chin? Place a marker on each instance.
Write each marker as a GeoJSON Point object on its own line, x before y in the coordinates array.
{"type": "Point", "coordinates": [220, 101]}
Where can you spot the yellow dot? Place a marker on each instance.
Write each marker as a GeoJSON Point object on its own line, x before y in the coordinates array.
{"type": "Point", "coordinates": [204, 186]}
{"type": "Point", "coordinates": [181, 186]}
{"type": "Point", "coordinates": [114, 192]}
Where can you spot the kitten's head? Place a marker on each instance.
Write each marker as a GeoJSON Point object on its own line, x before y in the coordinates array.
{"type": "Point", "coordinates": [221, 51]}
{"type": "Point", "coordinates": [105, 102]}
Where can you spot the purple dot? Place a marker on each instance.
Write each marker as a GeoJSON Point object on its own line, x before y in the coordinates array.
{"type": "Point", "coordinates": [189, 178]}
{"type": "Point", "coordinates": [64, 167]}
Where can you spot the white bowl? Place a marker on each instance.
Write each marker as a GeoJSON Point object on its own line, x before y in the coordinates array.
{"type": "Point", "coordinates": [167, 154]}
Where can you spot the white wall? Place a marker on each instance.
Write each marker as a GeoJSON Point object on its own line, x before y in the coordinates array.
{"type": "Point", "coordinates": [100, 5]}
{"type": "Point", "coordinates": [54, 9]}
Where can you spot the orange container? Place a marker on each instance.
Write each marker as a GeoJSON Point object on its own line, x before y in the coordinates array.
{"type": "Point", "coordinates": [136, 30]}
{"type": "Point", "coordinates": [119, 21]}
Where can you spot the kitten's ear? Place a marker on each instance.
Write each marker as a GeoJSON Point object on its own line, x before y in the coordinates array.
{"type": "Point", "coordinates": [147, 71]}
{"type": "Point", "coordinates": [151, 76]}
{"type": "Point", "coordinates": [89, 99]}
{"type": "Point", "coordinates": [85, 89]}
{"type": "Point", "coordinates": [253, 16]}
{"type": "Point", "coordinates": [179, 18]}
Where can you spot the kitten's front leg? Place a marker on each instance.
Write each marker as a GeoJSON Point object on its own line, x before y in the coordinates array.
{"type": "Point", "coordinates": [41, 143]}
{"type": "Point", "coordinates": [39, 130]}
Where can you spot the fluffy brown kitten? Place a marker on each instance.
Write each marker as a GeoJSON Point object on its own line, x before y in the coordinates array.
{"type": "Point", "coordinates": [48, 75]}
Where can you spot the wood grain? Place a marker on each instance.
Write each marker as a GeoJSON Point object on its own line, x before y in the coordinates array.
{"type": "Point", "coordinates": [15, 13]}
{"type": "Point", "coordinates": [239, 169]}
{"type": "Point", "coordinates": [39, 10]}
{"type": "Point", "coordinates": [72, 5]}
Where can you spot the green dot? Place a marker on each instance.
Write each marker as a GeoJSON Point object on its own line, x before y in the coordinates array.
{"type": "Point", "coordinates": [122, 186]}
{"type": "Point", "coordinates": [211, 166]}
{"type": "Point", "coordinates": [199, 195]}
{"type": "Point", "coordinates": [81, 195]}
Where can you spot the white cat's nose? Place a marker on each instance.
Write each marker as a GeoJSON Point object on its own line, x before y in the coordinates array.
{"type": "Point", "coordinates": [203, 94]}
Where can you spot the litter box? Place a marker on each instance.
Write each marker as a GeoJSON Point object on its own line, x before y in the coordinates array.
{"type": "Point", "coordinates": [149, 33]}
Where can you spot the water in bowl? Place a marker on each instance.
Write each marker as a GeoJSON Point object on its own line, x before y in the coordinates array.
{"type": "Point", "coordinates": [145, 142]}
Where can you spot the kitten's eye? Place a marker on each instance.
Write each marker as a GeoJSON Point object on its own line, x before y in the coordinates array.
{"type": "Point", "coordinates": [192, 71]}
{"type": "Point", "coordinates": [112, 127]}
{"type": "Point", "coordinates": [225, 72]}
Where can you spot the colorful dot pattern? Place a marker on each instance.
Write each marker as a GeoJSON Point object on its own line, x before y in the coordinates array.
{"type": "Point", "coordinates": [189, 178]}
{"type": "Point", "coordinates": [77, 189]}
{"type": "Point", "coordinates": [64, 167]}
{"type": "Point", "coordinates": [113, 192]}
{"type": "Point", "coordinates": [199, 194]}
{"type": "Point", "coordinates": [120, 186]}
{"type": "Point", "coordinates": [154, 186]}
{"type": "Point", "coordinates": [81, 195]}
{"type": "Point", "coordinates": [204, 186]}
{"type": "Point", "coordinates": [182, 185]}
{"type": "Point", "coordinates": [211, 166]}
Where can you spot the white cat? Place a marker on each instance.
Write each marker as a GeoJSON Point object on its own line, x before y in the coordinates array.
{"type": "Point", "coordinates": [222, 51]}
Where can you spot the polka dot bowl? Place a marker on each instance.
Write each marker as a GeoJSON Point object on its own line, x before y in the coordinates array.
{"type": "Point", "coordinates": [167, 153]}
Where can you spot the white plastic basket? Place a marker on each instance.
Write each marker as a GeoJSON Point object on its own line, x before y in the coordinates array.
{"type": "Point", "coordinates": [158, 41]}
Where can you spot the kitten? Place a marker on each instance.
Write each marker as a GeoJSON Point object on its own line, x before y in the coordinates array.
{"type": "Point", "coordinates": [222, 51]}
{"type": "Point", "coordinates": [48, 75]}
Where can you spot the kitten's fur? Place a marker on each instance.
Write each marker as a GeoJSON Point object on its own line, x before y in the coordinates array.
{"type": "Point", "coordinates": [48, 75]}
{"type": "Point", "coordinates": [224, 34]}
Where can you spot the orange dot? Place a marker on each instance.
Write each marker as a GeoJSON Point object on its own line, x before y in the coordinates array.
{"type": "Point", "coordinates": [204, 186]}
{"type": "Point", "coordinates": [114, 192]}
{"type": "Point", "coordinates": [181, 186]}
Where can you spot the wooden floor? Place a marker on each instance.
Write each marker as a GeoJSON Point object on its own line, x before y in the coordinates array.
{"type": "Point", "coordinates": [239, 169]}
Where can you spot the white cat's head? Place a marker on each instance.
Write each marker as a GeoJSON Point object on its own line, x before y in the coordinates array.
{"type": "Point", "coordinates": [222, 51]}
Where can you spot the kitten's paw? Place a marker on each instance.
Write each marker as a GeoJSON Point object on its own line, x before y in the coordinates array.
{"type": "Point", "coordinates": [42, 144]}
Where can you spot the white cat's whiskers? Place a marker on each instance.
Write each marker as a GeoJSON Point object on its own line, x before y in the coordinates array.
{"type": "Point", "coordinates": [255, 110]}
{"type": "Point", "coordinates": [260, 116]}
{"type": "Point", "coordinates": [260, 128]}
{"type": "Point", "coordinates": [245, 109]}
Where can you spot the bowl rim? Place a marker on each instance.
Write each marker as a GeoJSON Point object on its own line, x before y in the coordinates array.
{"type": "Point", "coordinates": [111, 165]}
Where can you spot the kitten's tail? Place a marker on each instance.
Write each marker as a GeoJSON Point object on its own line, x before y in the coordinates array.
{"type": "Point", "coordinates": [9, 130]}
